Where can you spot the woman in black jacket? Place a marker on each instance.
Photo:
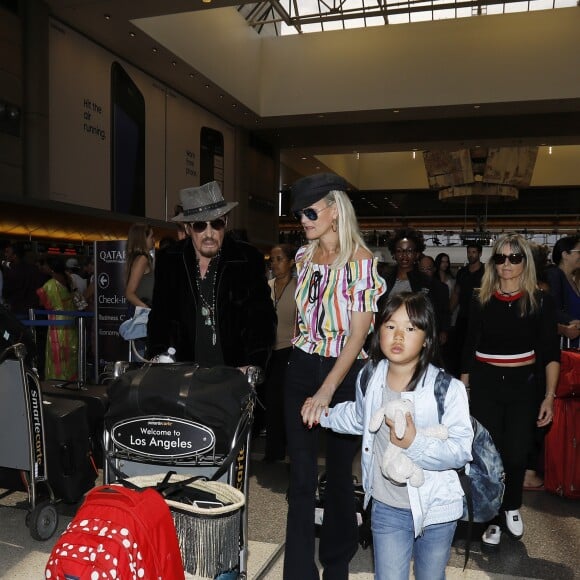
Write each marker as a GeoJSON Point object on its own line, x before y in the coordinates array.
{"type": "Point", "coordinates": [406, 247]}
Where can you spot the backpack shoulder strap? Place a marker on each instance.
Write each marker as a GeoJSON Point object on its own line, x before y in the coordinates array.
{"type": "Point", "coordinates": [365, 374]}
{"type": "Point", "coordinates": [442, 383]}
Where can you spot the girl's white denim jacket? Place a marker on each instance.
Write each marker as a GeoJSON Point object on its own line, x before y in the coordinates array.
{"type": "Point", "coordinates": [440, 498]}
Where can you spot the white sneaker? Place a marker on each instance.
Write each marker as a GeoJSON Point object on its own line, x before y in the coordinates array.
{"type": "Point", "coordinates": [491, 537]}
{"type": "Point", "coordinates": [514, 524]}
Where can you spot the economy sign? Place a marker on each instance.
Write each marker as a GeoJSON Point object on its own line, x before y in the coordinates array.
{"type": "Point", "coordinates": [111, 307]}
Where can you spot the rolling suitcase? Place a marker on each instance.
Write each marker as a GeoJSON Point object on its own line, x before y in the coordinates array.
{"type": "Point", "coordinates": [562, 474]}
{"type": "Point", "coordinates": [71, 469]}
{"type": "Point", "coordinates": [96, 399]}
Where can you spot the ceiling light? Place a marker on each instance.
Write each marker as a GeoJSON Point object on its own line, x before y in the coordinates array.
{"type": "Point", "coordinates": [155, 50]}
{"type": "Point", "coordinates": [207, 86]}
{"type": "Point", "coordinates": [234, 105]}
{"type": "Point", "coordinates": [396, 111]}
{"type": "Point", "coordinates": [132, 34]}
{"type": "Point", "coordinates": [206, 1]}
{"type": "Point", "coordinates": [173, 63]}
{"type": "Point", "coordinates": [304, 158]}
{"type": "Point", "coordinates": [107, 17]}
{"type": "Point", "coordinates": [191, 75]}
{"type": "Point", "coordinates": [476, 106]}
{"type": "Point", "coordinates": [550, 150]}
{"type": "Point", "coordinates": [220, 96]}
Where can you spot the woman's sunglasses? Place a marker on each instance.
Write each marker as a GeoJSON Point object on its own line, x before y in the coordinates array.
{"type": "Point", "coordinates": [499, 259]}
{"type": "Point", "coordinates": [218, 225]}
{"type": "Point", "coordinates": [309, 212]}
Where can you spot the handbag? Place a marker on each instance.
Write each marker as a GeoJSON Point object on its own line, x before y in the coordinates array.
{"type": "Point", "coordinates": [135, 327]}
{"type": "Point", "coordinates": [79, 300]}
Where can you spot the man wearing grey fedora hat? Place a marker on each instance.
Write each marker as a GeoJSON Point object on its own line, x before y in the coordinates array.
{"type": "Point", "coordinates": [211, 300]}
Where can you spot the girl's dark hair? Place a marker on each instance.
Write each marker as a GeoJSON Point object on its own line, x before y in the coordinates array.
{"type": "Point", "coordinates": [564, 244]}
{"type": "Point", "coordinates": [438, 260]}
{"type": "Point", "coordinates": [422, 316]}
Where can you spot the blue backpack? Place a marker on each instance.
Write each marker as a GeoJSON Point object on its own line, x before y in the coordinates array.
{"type": "Point", "coordinates": [483, 481]}
{"type": "Point", "coordinates": [483, 478]}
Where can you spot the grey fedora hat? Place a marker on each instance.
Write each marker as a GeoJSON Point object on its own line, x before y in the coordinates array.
{"type": "Point", "coordinates": [203, 204]}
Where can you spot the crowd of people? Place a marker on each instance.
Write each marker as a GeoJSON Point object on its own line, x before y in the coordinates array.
{"type": "Point", "coordinates": [329, 310]}
{"type": "Point", "coordinates": [54, 283]}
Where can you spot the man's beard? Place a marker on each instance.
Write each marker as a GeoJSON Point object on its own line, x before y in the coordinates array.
{"type": "Point", "coordinates": [209, 252]}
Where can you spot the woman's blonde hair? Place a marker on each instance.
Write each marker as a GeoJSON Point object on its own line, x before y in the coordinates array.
{"type": "Point", "coordinates": [349, 237]}
{"type": "Point", "coordinates": [490, 282]}
{"type": "Point", "coordinates": [137, 246]}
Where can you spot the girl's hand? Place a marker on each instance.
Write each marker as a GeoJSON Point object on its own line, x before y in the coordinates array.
{"type": "Point", "coordinates": [408, 437]}
{"type": "Point", "coordinates": [546, 413]}
{"type": "Point", "coordinates": [314, 406]}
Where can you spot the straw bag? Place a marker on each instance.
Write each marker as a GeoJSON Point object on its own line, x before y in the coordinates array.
{"type": "Point", "coordinates": [207, 518]}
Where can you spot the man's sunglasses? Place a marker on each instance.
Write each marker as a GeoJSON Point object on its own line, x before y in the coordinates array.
{"type": "Point", "coordinates": [218, 225]}
{"type": "Point", "coordinates": [309, 212]}
{"type": "Point", "coordinates": [499, 259]}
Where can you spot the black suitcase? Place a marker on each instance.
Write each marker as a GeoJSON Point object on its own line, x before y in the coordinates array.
{"type": "Point", "coordinates": [97, 401]}
{"type": "Point", "coordinates": [71, 469]}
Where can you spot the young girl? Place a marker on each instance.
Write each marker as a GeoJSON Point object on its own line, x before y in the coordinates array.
{"type": "Point", "coordinates": [408, 521]}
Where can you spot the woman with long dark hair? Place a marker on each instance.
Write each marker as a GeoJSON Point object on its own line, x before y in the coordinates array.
{"type": "Point", "coordinates": [565, 289]}
{"type": "Point", "coordinates": [443, 271]}
{"type": "Point", "coordinates": [61, 341]}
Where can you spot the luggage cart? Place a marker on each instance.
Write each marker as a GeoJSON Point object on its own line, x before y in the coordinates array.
{"type": "Point", "coordinates": [140, 443]}
{"type": "Point", "coordinates": [21, 415]}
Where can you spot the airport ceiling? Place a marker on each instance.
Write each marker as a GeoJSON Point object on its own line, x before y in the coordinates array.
{"type": "Point", "coordinates": [109, 22]}
{"type": "Point", "coordinates": [301, 138]}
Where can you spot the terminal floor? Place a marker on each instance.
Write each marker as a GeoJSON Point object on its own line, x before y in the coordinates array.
{"type": "Point", "coordinates": [549, 550]}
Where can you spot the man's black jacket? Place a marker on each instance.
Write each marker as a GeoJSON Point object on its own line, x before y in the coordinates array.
{"type": "Point", "coordinates": [246, 318]}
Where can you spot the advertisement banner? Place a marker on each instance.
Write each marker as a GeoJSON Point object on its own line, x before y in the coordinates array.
{"type": "Point", "coordinates": [122, 141]}
{"type": "Point", "coordinates": [111, 306]}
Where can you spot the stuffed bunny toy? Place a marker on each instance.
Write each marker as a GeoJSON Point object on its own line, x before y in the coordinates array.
{"type": "Point", "coordinates": [395, 464]}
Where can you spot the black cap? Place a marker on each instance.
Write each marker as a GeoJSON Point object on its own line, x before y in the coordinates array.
{"type": "Point", "coordinates": [310, 189]}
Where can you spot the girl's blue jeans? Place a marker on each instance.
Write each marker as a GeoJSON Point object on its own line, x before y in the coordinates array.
{"type": "Point", "coordinates": [395, 544]}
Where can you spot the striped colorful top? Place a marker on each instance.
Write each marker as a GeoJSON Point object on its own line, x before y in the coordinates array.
{"type": "Point", "coordinates": [325, 298]}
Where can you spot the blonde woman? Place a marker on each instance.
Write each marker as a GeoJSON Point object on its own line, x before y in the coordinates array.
{"type": "Point", "coordinates": [512, 336]}
{"type": "Point", "coordinates": [336, 296]}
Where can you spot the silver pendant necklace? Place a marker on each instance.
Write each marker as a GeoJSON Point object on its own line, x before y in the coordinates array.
{"type": "Point", "coordinates": [208, 310]}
